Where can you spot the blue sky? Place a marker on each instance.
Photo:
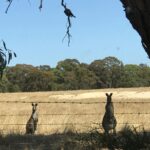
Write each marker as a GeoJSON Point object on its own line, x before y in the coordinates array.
{"type": "Point", "coordinates": [100, 29]}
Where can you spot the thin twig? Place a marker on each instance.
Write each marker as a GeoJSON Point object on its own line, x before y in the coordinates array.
{"type": "Point", "coordinates": [41, 4]}
{"type": "Point", "coordinates": [10, 2]}
{"type": "Point", "coordinates": [69, 14]}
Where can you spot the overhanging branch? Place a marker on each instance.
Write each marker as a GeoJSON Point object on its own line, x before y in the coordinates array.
{"type": "Point", "coordinates": [69, 14]}
{"type": "Point", "coordinates": [10, 2]}
{"type": "Point", "coordinates": [41, 4]}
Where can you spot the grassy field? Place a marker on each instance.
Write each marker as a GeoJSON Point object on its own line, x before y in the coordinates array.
{"type": "Point", "coordinates": [79, 111]}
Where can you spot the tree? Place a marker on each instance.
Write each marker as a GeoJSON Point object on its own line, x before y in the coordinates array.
{"type": "Point", "coordinates": [17, 74]}
{"type": "Point", "coordinates": [108, 71]}
{"type": "Point", "coordinates": [44, 68]}
{"type": "Point", "coordinates": [137, 12]}
{"type": "Point", "coordinates": [71, 75]}
{"type": "Point", "coordinates": [65, 74]}
{"type": "Point", "coordinates": [29, 78]}
{"type": "Point", "coordinates": [97, 67]}
{"type": "Point", "coordinates": [136, 76]}
{"type": "Point", "coordinates": [144, 75]}
{"type": "Point", "coordinates": [113, 70]}
{"type": "Point", "coordinates": [86, 78]}
{"type": "Point", "coordinates": [4, 84]}
{"type": "Point", "coordinates": [37, 80]}
{"type": "Point", "coordinates": [132, 76]}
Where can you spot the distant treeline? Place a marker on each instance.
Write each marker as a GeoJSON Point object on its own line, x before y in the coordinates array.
{"type": "Point", "coordinates": [70, 74]}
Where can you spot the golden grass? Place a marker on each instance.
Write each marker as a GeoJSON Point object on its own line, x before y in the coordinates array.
{"type": "Point", "coordinates": [55, 117]}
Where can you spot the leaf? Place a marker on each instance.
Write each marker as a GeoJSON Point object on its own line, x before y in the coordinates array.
{"type": "Point", "coordinates": [15, 55]}
{"type": "Point", "coordinates": [4, 63]}
{"type": "Point", "coordinates": [2, 54]}
{"type": "Point", "coordinates": [1, 61]}
{"type": "Point", "coordinates": [4, 44]}
{"type": "Point", "coordinates": [9, 57]}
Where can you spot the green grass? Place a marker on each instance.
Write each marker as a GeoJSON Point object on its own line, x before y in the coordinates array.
{"type": "Point", "coordinates": [127, 139]}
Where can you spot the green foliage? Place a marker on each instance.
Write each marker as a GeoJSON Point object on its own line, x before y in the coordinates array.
{"type": "Point", "coordinates": [135, 76]}
{"type": "Point", "coordinates": [86, 78]}
{"type": "Point", "coordinates": [66, 71]}
{"type": "Point", "coordinates": [109, 71]}
{"type": "Point", "coordinates": [37, 80]}
{"type": "Point", "coordinates": [30, 78]}
{"type": "Point", "coordinates": [44, 68]}
{"type": "Point", "coordinates": [6, 56]}
{"type": "Point", "coordinates": [113, 70]}
{"type": "Point", "coordinates": [70, 74]}
{"type": "Point", "coordinates": [4, 84]}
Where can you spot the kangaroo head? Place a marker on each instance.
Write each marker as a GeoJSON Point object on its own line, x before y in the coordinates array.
{"type": "Point", "coordinates": [34, 107]}
{"type": "Point", "coordinates": [109, 97]}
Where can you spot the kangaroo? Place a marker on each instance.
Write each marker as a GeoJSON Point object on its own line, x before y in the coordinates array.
{"type": "Point", "coordinates": [109, 121]}
{"type": "Point", "coordinates": [31, 125]}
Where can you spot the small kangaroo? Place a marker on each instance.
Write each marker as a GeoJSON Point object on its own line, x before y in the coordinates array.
{"type": "Point", "coordinates": [109, 121]}
{"type": "Point", "coordinates": [31, 125]}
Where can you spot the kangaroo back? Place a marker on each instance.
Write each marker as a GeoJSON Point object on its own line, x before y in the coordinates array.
{"type": "Point", "coordinates": [109, 121]}
{"type": "Point", "coordinates": [109, 108]}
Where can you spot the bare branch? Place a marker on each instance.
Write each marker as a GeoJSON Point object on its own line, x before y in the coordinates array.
{"type": "Point", "coordinates": [68, 32]}
{"type": "Point", "coordinates": [62, 3]}
{"type": "Point", "coordinates": [41, 4]}
{"type": "Point", "coordinates": [10, 2]}
{"type": "Point", "coordinates": [69, 14]}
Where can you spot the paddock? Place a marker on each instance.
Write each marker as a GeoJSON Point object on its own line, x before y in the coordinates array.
{"type": "Point", "coordinates": [79, 111]}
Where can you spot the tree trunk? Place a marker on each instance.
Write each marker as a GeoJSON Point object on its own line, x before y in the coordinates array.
{"type": "Point", "coordinates": [138, 13]}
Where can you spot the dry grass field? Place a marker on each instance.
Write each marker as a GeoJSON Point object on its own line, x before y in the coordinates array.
{"type": "Point", "coordinates": [74, 110]}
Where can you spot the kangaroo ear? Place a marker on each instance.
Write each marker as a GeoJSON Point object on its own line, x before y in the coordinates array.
{"type": "Point", "coordinates": [111, 94]}
{"type": "Point", "coordinates": [106, 94]}
{"type": "Point", "coordinates": [32, 104]}
{"type": "Point", "coordinates": [36, 104]}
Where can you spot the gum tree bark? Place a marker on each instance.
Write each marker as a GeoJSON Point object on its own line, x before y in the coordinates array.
{"type": "Point", "coordinates": [138, 13]}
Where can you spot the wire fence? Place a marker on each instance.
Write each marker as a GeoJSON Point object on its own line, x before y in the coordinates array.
{"type": "Point", "coordinates": [75, 114]}
{"type": "Point", "coordinates": [88, 114]}
{"type": "Point", "coordinates": [8, 127]}
{"type": "Point", "coordinates": [72, 124]}
{"type": "Point", "coordinates": [75, 102]}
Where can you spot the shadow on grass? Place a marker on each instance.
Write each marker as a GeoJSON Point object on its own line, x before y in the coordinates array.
{"type": "Point", "coordinates": [127, 139]}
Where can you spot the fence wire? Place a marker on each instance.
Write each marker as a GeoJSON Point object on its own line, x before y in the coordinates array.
{"type": "Point", "coordinates": [88, 114]}
{"type": "Point", "coordinates": [73, 102]}
{"type": "Point", "coordinates": [84, 114]}
{"type": "Point", "coordinates": [71, 124]}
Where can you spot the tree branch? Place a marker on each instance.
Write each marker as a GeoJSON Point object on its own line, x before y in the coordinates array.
{"type": "Point", "coordinates": [68, 32]}
{"type": "Point", "coordinates": [69, 14]}
{"type": "Point", "coordinates": [10, 2]}
{"type": "Point", "coordinates": [41, 4]}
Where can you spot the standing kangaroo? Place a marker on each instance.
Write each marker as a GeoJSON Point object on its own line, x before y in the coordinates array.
{"type": "Point", "coordinates": [109, 121]}
{"type": "Point", "coordinates": [31, 125]}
